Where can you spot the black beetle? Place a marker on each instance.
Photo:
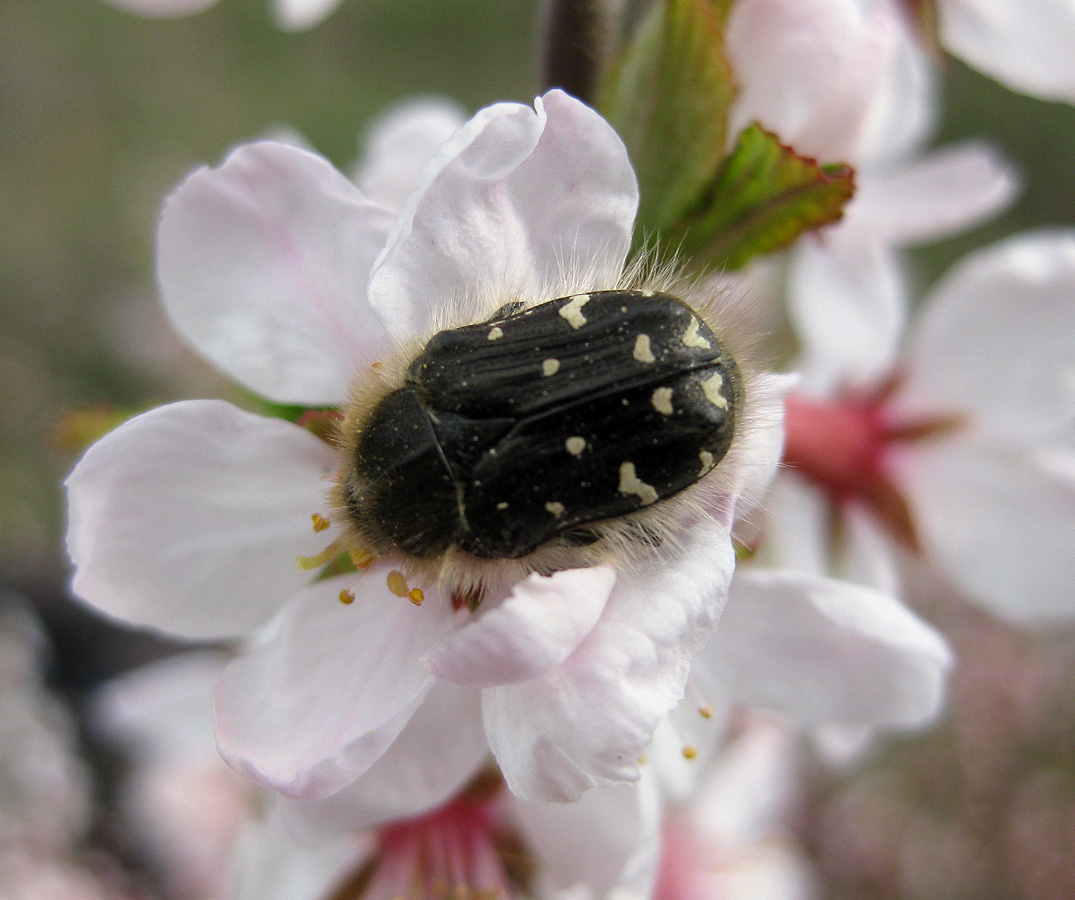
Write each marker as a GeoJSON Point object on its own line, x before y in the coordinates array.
{"type": "Point", "coordinates": [537, 425]}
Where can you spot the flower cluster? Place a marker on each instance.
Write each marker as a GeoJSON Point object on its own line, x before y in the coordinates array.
{"type": "Point", "coordinates": [565, 713]}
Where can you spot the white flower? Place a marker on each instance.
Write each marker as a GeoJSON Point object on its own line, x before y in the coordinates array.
{"type": "Point", "coordinates": [730, 837]}
{"type": "Point", "coordinates": [189, 518]}
{"type": "Point", "coordinates": [965, 449]}
{"type": "Point", "coordinates": [842, 81]}
{"type": "Point", "coordinates": [214, 836]}
{"type": "Point", "coordinates": [290, 15]}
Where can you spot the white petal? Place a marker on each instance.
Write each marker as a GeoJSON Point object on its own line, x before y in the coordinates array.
{"type": "Point", "coordinates": [798, 526]}
{"type": "Point", "coordinates": [827, 651]}
{"type": "Point", "coordinates": [587, 721]}
{"type": "Point", "coordinates": [1026, 45]}
{"type": "Point", "coordinates": [748, 793]}
{"type": "Point", "coordinates": [434, 757]}
{"type": "Point", "coordinates": [935, 196]}
{"type": "Point", "coordinates": [808, 69]}
{"type": "Point", "coordinates": [686, 742]}
{"type": "Point", "coordinates": [314, 705]}
{"type": "Point", "coordinates": [165, 708]}
{"type": "Point", "coordinates": [401, 144]}
{"type": "Point", "coordinates": [533, 630]}
{"type": "Point", "coordinates": [273, 867]}
{"type": "Point", "coordinates": [516, 196]}
{"type": "Point", "coordinates": [263, 264]}
{"type": "Point", "coordinates": [848, 303]}
{"type": "Point", "coordinates": [865, 551]}
{"type": "Point", "coordinates": [164, 9]}
{"type": "Point", "coordinates": [903, 111]}
{"type": "Point", "coordinates": [998, 340]}
{"type": "Point", "coordinates": [298, 15]}
{"type": "Point", "coordinates": [608, 840]}
{"type": "Point", "coordinates": [189, 518]}
{"type": "Point", "coordinates": [1000, 521]}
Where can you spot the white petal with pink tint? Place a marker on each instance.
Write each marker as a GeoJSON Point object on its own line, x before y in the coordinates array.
{"type": "Point", "coordinates": [997, 341]}
{"type": "Point", "coordinates": [1000, 520]}
{"type": "Point", "coordinates": [847, 301]}
{"type": "Point", "coordinates": [536, 628]}
{"type": "Point", "coordinates": [514, 197]}
{"type": "Point", "coordinates": [440, 750]}
{"type": "Point", "coordinates": [401, 143]}
{"type": "Point", "coordinates": [313, 706]}
{"type": "Point", "coordinates": [808, 69]}
{"type": "Point", "coordinates": [937, 195]}
{"type": "Point", "coordinates": [189, 518]}
{"type": "Point", "coordinates": [263, 264]}
{"type": "Point", "coordinates": [608, 841]}
{"type": "Point", "coordinates": [827, 651]}
{"type": "Point", "coordinates": [586, 722]}
{"type": "Point", "coordinates": [1026, 44]}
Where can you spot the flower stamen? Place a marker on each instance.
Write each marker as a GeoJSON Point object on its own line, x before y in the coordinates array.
{"type": "Point", "coordinates": [320, 522]}
{"type": "Point", "coordinates": [347, 597]}
{"type": "Point", "coordinates": [323, 558]}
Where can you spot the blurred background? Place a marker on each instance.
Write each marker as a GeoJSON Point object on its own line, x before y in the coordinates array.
{"type": "Point", "coordinates": [101, 114]}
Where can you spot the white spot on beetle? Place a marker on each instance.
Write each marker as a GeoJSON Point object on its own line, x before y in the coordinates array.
{"type": "Point", "coordinates": [662, 401]}
{"type": "Point", "coordinates": [712, 386]}
{"type": "Point", "coordinates": [707, 460]}
{"type": "Point", "coordinates": [550, 367]}
{"type": "Point", "coordinates": [496, 333]}
{"type": "Point", "coordinates": [643, 352]}
{"type": "Point", "coordinates": [572, 310]}
{"type": "Point", "coordinates": [557, 509]}
{"type": "Point", "coordinates": [647, 293]}
{"type": "Point", "coordinates": [630, 483]}
{"type": "Point", "coordinates": [691, 337]}
{"type": "Point", "coordinates": [575, 445]}
{"type": "Point", "coordinates": [503, 504]}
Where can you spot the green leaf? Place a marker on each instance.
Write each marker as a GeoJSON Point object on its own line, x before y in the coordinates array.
{"type": "Point", "coordinates": [668, 96]}
{"type": "Point", "coordinates": [763, 197]}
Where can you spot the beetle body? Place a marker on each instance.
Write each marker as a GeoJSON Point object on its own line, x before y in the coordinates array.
{"type": "Point", "coordinates": [535, 427]}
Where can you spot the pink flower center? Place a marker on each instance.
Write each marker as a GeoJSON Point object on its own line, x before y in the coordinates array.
{"type": "Point", "coordinates": [454, 853]}
{"type": "Point", "coordinates": [844, 447]}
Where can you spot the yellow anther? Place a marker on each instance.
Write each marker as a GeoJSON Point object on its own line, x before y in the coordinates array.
{"type": "Point", "coordinates": [690, 752]}
{"type": "Point", "coordinates": [347, 597]}
{"type": "Point", "coordinates": [320, 522]}
{"type": "Point", "coordinates": [361, 558]}
{"type": "Point", "coordinates": [377, 366]}
{"type": "Point", "coordinates": [706, 712]}
{"type": "Point", "coordinates": [397, 583]}
{"type": "Point", "coordinates": [416, 596]}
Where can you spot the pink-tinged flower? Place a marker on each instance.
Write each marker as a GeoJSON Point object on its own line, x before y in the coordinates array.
{"type": "Point", "coordinates": [290, 15]}
{"type": "Point", "coordinates": [189, 518]}
{"type": "Point", "coordinates": [843, 81]}
{"type": "Point", "coordinates": [964, 450]}
{"type": "Point", "coordinates": [211, 835]}
{"type": "Point", "coordinates": [730, 837]}
{"type": "Point", "coordinates": [834, 80]}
